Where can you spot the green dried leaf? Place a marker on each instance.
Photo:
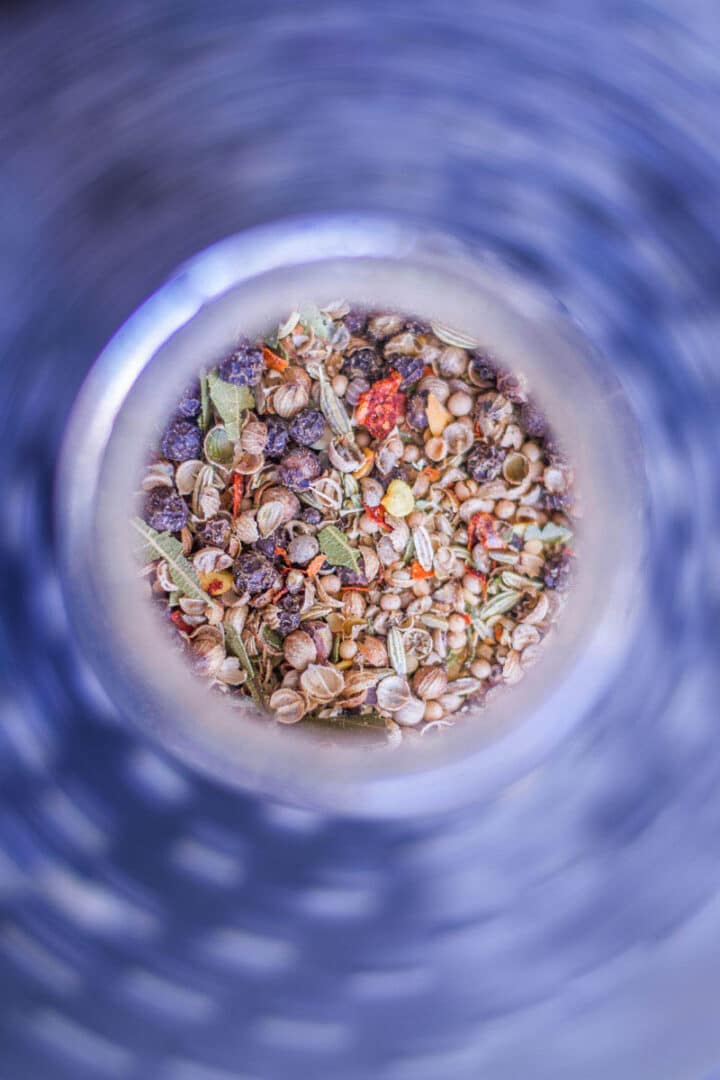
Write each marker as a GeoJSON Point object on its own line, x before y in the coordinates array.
{"type": "Point", "coordinates": [549, 534]}
{"type": "Point", "coordinates": [313, 319]}
{"type": "Point", "coordinates": [218, 446]}
{"type": "Point", "coordinates": [272, 638]}
{"type": "Point", "coordinates": [556, 534]}
{"type": "Point", "coordinates": [231, 402]}
{"type": "Point", "coordinates": [236, 646]}
{"type": "Point", "coordinates": [174, 598]}
{"type": "Point", "coordinates": [164, 546]}
{"type": "Point", "coordinates": [335, 546]}
{"type": "Point", "coordinates": [204, 402]}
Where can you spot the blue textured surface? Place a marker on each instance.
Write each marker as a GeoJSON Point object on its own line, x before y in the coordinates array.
{"type": "Point", "coordinates": [152, 925]}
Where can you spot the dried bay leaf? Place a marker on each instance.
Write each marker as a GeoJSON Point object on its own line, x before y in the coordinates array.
{"type": "Point", "coordinates": [164, 546]}
{"type": "Point", "coordinates": [236, 646]}
{"type": "Point", "coordinates": [204, 402]}
{"type": "Point", "coordinates": [231, 403]}
{"type": "Point", "coordinates": [334, 544]}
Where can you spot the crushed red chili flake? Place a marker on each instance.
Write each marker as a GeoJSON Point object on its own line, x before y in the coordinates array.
{"type": "Point", "coordinates": [377, 513]}
{"type": "Point", "coordinates": [177, 618]}
{"type": "Point", "coordinates": [380, 407]}
{"type": "Point", "coordinates": [482, 527]}
{"type": "Point", "coordinates": [418, 573]}
{"type": "Point", "coordinates": [238, 485]}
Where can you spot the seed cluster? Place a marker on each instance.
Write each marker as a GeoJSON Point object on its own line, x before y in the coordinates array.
{"type": "Point", "coordinates": [362, 520]}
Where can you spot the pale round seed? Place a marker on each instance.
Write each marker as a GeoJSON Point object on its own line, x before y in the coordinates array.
{"type": "Point", "coordinates": [457, 640]}
{"type": "Point", "coordinates": [472, 584]}
{"type": "Point", "coordinates": [421, 486]}
{"type": "Point", "coordinates": [531, 450]}
{"type": "Point", "coordinates": [340, 385]}
{"type": "Point", "coordinates": [347, 650]}
{"type": "Point", "coordinates": [480, 669]}
{"type": "Point", "coordinates": [504, 509]}
{"type": "Point", "coordinates": [457, 624]}
{"type": "Point", "coordinates": [331, 583]}
{"type": "Point", "coordinates": [390, 602]}
{"type": "Point", "coordinates": [416, 518]}
{"type": "Point", "coordinates": [433, 711]}
{"type": "Point", "coordinates": [411, 453]}
{"type": "Point", "coordinates": [460, 403]}
{"type": "Point", "coordinates": [533, 547]}
{"type": "Point", "coordinates": [462, 490]}
{"type": "Point", "coordinates": [421, 588]}
{"type": "Point", "coordinates": [436, 449]}
{"type": "Point", "coordinates": [367, 525]}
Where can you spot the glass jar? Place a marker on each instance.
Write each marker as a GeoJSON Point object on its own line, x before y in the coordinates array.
{"type": "Point", "coordinates": [244, 284]}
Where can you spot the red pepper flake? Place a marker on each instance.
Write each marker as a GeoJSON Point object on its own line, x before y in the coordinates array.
{"type": "Point", "coordinates": [273, 361]}
{"type": "Point", "coordinates": [419, 573]}
{"type": "Point", "coordinates": [380, 407]}
{"type": "Point", "coordinates": [432, 473]}
{"type": "Point", "coordinates": [315, 565]}
{"type": "Point", "coordinates": [238, 486]}
{"type": "Point", "coordinates": [377, 513]}
{"type": "Point", "coordinates": [215, 587]}
{"type": "Point", "coordinates": [498, 631]}
{"type": "Point", "coordinates": [466, 618]}
{"type": "Point", "coordinates": [177, 618]}
{"type": "Point", "coordinates": [354, 588]}
{"type": "Point", "coordinates": [482, 528]}
{"type": "Point", "coordinates": [279, 594]}
{"type": "Point", "coordinates": [285, 558]}
{"type": "Point", "coordinates": [427, 370]}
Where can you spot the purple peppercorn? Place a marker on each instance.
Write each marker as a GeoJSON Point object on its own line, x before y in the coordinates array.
{"type": "Point", "coordinates": [415, 414]}
{"type": "Point", "coordinates": [244, 366]}
{"type": "Point", "coordinates": [189, 404]}
{"type": "Point", "coordinates": [164, 510]}
{"type": "Point", "coordinates": [356, 321]}
{"type": "Point", "coordinates": [253, 573]}
{"type": "Point", "coordinates": [214, 533]}
{"type": "Point", "coordinates": [299, 468]}
{"type": "Point", "coordinates": [363, 363]}
{"type": "Point", "coordinates": [277, 437]}
{"type": "Point", "coordinates": [485, 461]}
{"type": "Point", "coordinates": [532, 420]}
{"type": "Point", "coordinates": [311, 515]}
{"type": "Point", "coordinates": [181, 441]}
{"type": "Point", "coordinates": [483, 368]}
{"type": "Point", "coordinates": [410, 367]}
{"type": "Point", "coordinates": [557, 571]}
{"type": "Point", "coordinates": [307, 427]}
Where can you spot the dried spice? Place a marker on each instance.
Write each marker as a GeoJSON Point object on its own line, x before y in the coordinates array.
{"type": "Point", "coordinates": [361, 522]}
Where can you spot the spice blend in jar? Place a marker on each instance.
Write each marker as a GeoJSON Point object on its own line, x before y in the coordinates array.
{"type": "Point", "coordinates": [362, 521]}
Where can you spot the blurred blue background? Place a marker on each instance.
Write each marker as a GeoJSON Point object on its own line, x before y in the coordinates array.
{"type": "Point", "coordinates": [153, 925]}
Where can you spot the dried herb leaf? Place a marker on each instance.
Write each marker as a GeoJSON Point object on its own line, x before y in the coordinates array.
{"type": "Point", "coordinates": [236, 646]}
{"type": "Point", "coordinates": [204, 401]}
{"type": "Point", "coordinates": [334, 544]}
{"type": "Point", "coordinates": [313, 319]}
{"type": "Point", "coordinates": [164, 546]}
{"type": "Point", "coordinates": [272, 637]}
{"type": "Point", "coordinates": [231, 403]}
{"type": "Point", "coordinates": [549, 534]}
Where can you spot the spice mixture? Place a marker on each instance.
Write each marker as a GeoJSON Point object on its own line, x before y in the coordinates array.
{"type": "Point", "coordinates": [361, 521]}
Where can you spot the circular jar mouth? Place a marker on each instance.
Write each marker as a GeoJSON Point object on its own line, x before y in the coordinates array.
{"type": "Point", "coordinates": [244, 285]}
